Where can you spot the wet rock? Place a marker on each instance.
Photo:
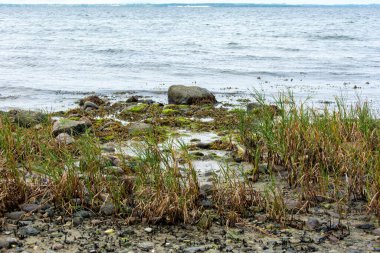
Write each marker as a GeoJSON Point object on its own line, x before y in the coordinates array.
{"type": "Point", "coordinates": [139, 128]}
{"type": "Point", "coordinates": [90, 105]}
{"type": "Point", "coordinates": [27, 118]}
{"type": "Point", "coordinates": [180, 94]}
{"type": "Point", "coordinates": [107, 209]}
{"type": "Point", "coordinates": [202, 248]}
{"type": "Point", "coordinates": [15, 215]}
{"type": "Point", "coordinates": [68, 126]}
{"type": "Point", "coordinates": [64, 139]}
{"type": "Point", "coordinates": [94, 99]}
{"type": "Point", "coordinates": [28, 231]}
{"type": "Point", "coordinates": [30, 207]}
{"type": "Point", "coordinates": [203, 145]}
{"type": "Point", "coordinates": [133, 99]}
{"type": "Point", "coordinates": [146, 246]}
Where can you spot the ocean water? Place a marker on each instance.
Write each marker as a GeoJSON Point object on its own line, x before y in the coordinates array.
{"type": "Point", "coordinates": [50, 55]}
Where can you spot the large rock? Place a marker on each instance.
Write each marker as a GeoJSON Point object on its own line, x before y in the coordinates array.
{"type": "Point", "coordinates": [27, 118]}
{"type": "Point", "coordinates": [188, 95]}
{"type": "Point", "coordinates": [72, 127]}
{"type": "Point", "coordinates": [93, 99]}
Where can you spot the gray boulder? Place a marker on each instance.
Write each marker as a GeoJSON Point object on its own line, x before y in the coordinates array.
{"type": "Point", "coordinates": [188, 95]}
{"type": "Point", "coordinates": [27, 118]}
{"type": "Point", "coordinates": [72, 127]}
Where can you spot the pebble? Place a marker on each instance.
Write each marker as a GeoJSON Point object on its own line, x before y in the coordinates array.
{"type": "Point", "coordinates": [197, 249]}
{"type": "Point", "coordinates": [83, 214]}
{"type": "Point", "coordinates": [146, 246]}
{"type": "Point", "coordinates": [376, 231]}
{"type": "Point", "coordinates": [57, 246]}
{"type": "Point", "coordinates": [15, 215]}
{"type": "Point", "coordinates": [30, 207]}
{"type": "Point", "coordinates": [107, 209]}
{"type": "Point", "coordinates": [28, 231]}
{"type": "Point", "coordinates": [312, 223]}
{"type": "Point", "coordinates": [148, 230]}
{"type": "Point", "coordinates": [78, 220]}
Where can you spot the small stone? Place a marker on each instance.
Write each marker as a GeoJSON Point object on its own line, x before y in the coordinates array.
{"type": "Point", "coordinates": [145, 246]}
{"type": "Point", "coordinates": [28, 231]}
{"type": "Point", "coordinates": [15, 215]}
{"type": "Point", "coordinates": [68, 126]}
{"type": "Point", "coordinates": [57, 246]}
{"type": "Point", "coordinates": [107, 208]}
{"type": "Point", "coordinates": [203, 145]}
{"type": "Point", "coordinates": [64, 139]}
{"type": "Point", "coordinates": [133, 99]}
{"type": "Point", "coordinates": [109, 231]}
{"type": "Point", "coordinates": [29, 207]}
{"type": "Point", "coordinates": [376, 231]}
{"type": "Point", "coordinates": [366, 226]}
{"type": "Point", "coordinates": [206, 189]}
{"type": "Point", "coordinates": [83, 214]}
{"type": "Point", "coordinates": [312, 223]}
{"type": "Point", "coordinates": [77, 221]}
{"type": "Point", "coordinates": [202, 248]}
{"type": "Point", "coordinates": [148, 230]}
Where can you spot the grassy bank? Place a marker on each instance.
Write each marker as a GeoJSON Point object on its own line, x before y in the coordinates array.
{"type": "Point", "coordinates": [318, 156]}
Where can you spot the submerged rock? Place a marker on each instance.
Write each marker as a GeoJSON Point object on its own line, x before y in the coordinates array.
{"type": "Point", "coordinates": [27, 118]}
{"type": "Point", "coordinates": [68, 126]}
{"type": "Point", "coordinates": [180, 94]}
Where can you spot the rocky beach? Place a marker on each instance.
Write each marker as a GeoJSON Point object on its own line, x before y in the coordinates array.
{"type": "Point", "coordinates": [189, 175]}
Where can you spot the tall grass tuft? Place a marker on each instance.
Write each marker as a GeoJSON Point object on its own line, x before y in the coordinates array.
{"type": "Point", "coordinates": [328, 154]}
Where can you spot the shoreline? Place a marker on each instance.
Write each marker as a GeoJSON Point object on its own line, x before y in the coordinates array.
{"type": "Point", "coordinates": [137, 175]}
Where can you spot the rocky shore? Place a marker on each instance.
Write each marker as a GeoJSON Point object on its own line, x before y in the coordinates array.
{"type": "Point", "coordinates": [193, 133]}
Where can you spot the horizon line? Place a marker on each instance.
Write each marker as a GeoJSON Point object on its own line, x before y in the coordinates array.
{"type": "Point", "coordinates": [197, 4]}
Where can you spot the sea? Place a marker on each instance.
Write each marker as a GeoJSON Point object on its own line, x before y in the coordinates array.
{"type": "Point", "coordinates": [52, 55]}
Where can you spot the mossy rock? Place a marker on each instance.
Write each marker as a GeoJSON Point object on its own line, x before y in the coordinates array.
{"type": "Point", "coordinates": [138, 108]}
{"type": "Point", "coordinates": [169, 112]}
